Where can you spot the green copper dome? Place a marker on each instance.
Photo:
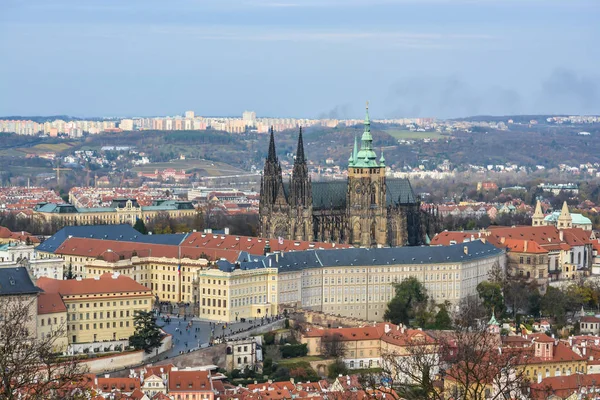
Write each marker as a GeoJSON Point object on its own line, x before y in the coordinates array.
{"type": "Point", "coordinates": [366, 157]}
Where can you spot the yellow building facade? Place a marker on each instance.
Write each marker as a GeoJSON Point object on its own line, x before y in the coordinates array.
{"type": "Point", "coordinates": [100, 309]}
{"type": "Point", "coordinates": [230, 294]}
{"type": "Point", "coordinates": [123, 212]}
{"type": "Point", "coordinates": [52, 320]}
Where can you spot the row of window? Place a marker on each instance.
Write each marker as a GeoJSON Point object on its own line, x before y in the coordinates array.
{"type": "Point", "coordinates": [114, 304]}
{"type": "Point", "coordinates": [101, 324]}
{"type": "Point", "coordinates": [99, 315]}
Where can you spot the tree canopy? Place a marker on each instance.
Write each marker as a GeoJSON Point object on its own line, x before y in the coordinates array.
{"type": "Point", "coordinates": [147, 334]}
{"type": "Point", "coordinates": [410, 296]}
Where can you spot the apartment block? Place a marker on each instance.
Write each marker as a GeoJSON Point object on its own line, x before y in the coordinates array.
{"type": "Point", "coordinates": [101, 308]}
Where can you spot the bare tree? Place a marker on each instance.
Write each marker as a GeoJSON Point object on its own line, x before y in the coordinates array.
{"type": "Point", "coordinates": [464, 363]}
{"type": "Point", "coordinates": [29, 366]}
{"type": "Point", "coordinates": [332, 345]}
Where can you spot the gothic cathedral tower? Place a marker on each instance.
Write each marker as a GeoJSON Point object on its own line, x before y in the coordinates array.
{"type": "Point", "coordinates": [301, 197]}
{"type": "Point", "coordinates": [273, 209]}
{"type": "Point", "coordinates": [366, 197]}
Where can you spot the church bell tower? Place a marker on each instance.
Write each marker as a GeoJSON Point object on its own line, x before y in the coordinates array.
{"type": "Point", "coordinates": [366, 197]}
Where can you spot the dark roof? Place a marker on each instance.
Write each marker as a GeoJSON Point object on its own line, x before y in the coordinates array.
{"type": "Point", "coordinates": [15, 281]}
{"type": "Point", "coordinates": [327, 195]}
{"type": "Point", "coordinates": [399, 191]}
{"type": "Point", "coordinates": [299, 260]}
{"type": "Point", "coordinates": [332, 194]}
{"type": "Point", "coordinates": [120, 232]}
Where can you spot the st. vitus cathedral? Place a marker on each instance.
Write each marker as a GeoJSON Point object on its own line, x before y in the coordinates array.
{"type": "Point", "coordinates": [367, 211]}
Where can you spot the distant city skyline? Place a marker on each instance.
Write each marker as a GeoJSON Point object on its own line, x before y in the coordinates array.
{"type": "Point", "coordinates": [299, 59]}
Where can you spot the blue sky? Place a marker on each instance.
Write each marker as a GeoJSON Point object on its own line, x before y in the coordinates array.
{"type": "Point", "coordinates": [299, 58]}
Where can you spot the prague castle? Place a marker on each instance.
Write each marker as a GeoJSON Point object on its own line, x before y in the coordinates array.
{"type": "Point", "coordinates": [367, 211]}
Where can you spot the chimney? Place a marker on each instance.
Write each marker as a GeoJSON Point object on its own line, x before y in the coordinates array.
{"type": "Point", "coordinates": [107, 376]}
{"type": "Point", "coordinates": [226, 231]}
{"type": "Point", "coordinates": [561, 235]}
{"type": "Point", "coordinates": [387, 328]}
{"type": "Point", "coordinates": [502, 239]}
{"type": "Point", "coordinates": [292, 380]}
{"type": "Point", "coordinates": [95, 381]}
{"type": "Point", "coordinates": [539, 378]}
{"type": "Point", "coordinates": [525, 246]}
{"type": "Point", "coordinates": [466, 250]}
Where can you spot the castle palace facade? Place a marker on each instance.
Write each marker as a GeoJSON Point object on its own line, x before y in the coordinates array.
{"type": "Point", "coordinates": [367, 210]}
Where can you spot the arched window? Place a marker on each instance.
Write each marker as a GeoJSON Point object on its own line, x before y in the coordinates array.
{"type": "Point", "coordinates": [245, 360]}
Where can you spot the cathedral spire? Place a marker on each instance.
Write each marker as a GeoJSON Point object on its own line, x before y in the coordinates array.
{"type": "Point", "coordinates": [300, 150]}
{"type": "Point", "coordinates": [366, 157]}
{"type": "Point", "coordinates": [272, 156]}
{"type": "Point", "coordinates": [352, 159]}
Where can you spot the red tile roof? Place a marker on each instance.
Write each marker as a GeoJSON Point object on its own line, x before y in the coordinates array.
{"type": "Point", "coordinates": [590, 319]}
{"type": "Point", "coordinates": [387, 332]}
{"type": "Point", "coordinates": [106, 283]}
{"type": "Point", "coordinates": [524, 246]}
{"type": "Point", "coordinates": [113, 250]}
{"type": "Point", "coordinates": [49, 303]}
{"type": "Point", "coordinates": [252, 245]}
{"type": "Point", "coordinates": [577, 236]}
{"type": "Point", "coordinates": [542, 235]}
{"type": "Point", "coordinates": [22, 236]}
{"type": "Point", "coordinates": [563, 386]}
{"type": "Point", "coordinates": [445, 238]}
{"type": "Point", "coordinates": [123, 384]}
{"type": "Point", "coordinates": [189, 381]}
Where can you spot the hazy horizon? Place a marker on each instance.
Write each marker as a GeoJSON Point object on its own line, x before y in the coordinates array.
{"type": "Point", "coordinates": [299, 58]}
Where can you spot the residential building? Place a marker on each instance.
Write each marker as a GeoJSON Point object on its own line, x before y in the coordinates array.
{"type": "Point", "coordinates": [527, 260]}
{"type": "Point", "coordinates": [368, 346]}
{"type": "Point", "coordinates": [16, 286]}
{"type": "Point", "coordinates": [101, 308]}
{"type": "Point", "coordinates": [589, 325]}
{"type": "Point", "coordinates": [52, 320]}
{"type": "Point", "coordinates": [568, 251]}
{"type": "Point", "coordinates": [545, 357]}
{"type": "Point", "coordinates": [6, 236]}
{"type": "Point", "coordinates": [576, 386]}
{"type": "Point", "coordinates": [232, 291]}
{"type": "Point", "coordinates": [122, 211]}
{"type": "Point", "coordinates": [242, 354]}
{"type": "Point", "coordinates": [190, 385]}
{"type": "Point", "coordinates": [16, 252]}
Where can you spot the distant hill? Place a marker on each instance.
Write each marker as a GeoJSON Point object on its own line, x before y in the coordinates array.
{"type": "Point", "coordinates": [504, 118]}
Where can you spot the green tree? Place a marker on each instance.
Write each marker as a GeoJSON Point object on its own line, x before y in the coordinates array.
{"type": "Point", "coordinates": [336, 369]}
{"type": "Point", "coordinates": [147, 335]}
{"type": "Point", "coordinates": [442, 318]}
{"type": "Point", "coordinates": [410, 297]}
{"type": "Point", "coordinates": [268, 366]}
{"type": "Point", "coordinates": [554, 303]}
{"type": "Point", "coordinates": [140, 227]}
{"type": "Point", "coordinates": [491, 295]}
{"type": "Point", "coordinates": [69, 274]}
